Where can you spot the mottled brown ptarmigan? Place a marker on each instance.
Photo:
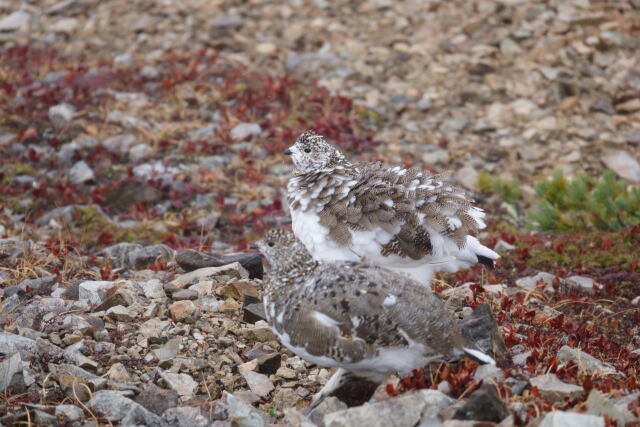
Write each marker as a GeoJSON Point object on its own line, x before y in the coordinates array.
{"type": "Point", "coordinates": [402, 219]}
{"type": "Point", "coordinates": [363, 319]}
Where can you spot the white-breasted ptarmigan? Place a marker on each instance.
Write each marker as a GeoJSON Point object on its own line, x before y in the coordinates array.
{"type": "Point", "coordinates": [402, 219]}
{"type": "Point", "coordinates": [366, 320]}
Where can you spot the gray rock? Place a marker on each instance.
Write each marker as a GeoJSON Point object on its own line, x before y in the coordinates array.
{"type": "Point", "coordinates": [185, 294]}
{"type": "Point", "coordinates": [169, 350]}
{"type": "Point", "coordinates": [258, 383]}
{"type": "Point", "coordinates": [94, 291]}
{"type": "Point", "coordinates": [482, 329]}
{"type": "Point", "coordinates": [153, 329]}
{"type": "Point", "coordinates": [227, 22]}
{"type": "Point", "coordinates": [598, 404]}
{"type": "Point", "coordinates": [509, 47]}
{"type": "Point", "coordinates": [153, 289]}
{"type": "Point", "coordinates": [81, 173]}
{"type": "Point", "coordinates": [16, 21]}
{"type": "Point", "coordinates": [185, 416]}
{"type": "Point", "coordinates": [622, 164]}
{"type": "Point", "coordinates": [570, 419]}
{"type": "Point", "coordinates": [121, 314]}
{"type": "Point", "coordinates": [12, 343]}
{"type": "Point", "coordinates": [603, 104]}
{"type": "Point", "coordinates": [242, 131]}
{"type": "Point", "coordinates": [183, 384]}
{"type": "Point", "coordinates": [11, 374]}
{"type": "Point", "coordinates": [580, 284]}
{"type": "Point", "coordinates": [115, 407]}
{"type": "Point", "coordinates": [234, 270]}
{"type": "Point", "coordinates": [242, 414]}
{"type": "Point", "coordinates": [634, 137]}
{"type": "Point", "coordinates": [586, 362]}
{"type": "Point", "coordinates": [149, 72]}
{"type": "Point", "coordinates": [156, 399]}
{"type": "Point", "coordinates": [73, 354]}
{"type": "Point", "coordinates": [309, 61]}
{"type": "Point", "coordinates": [140, 152]}
{"type": "Point", "coordinates": [61, 114]}
{"type": "Point", "coordinates": [529, 283]}
{"type": "Point", "coordinates": [408, 409]}
{"type": "Point", "coordinates": [552, 389]}
{"type": "Point", "coordinates": [68, 413]}
{"type": "Point", "coordinates": [485, 372]}
{"type": "Point", "coordinates": [483, 404]}
{"type": "Point", "coordinates": [190, 260]}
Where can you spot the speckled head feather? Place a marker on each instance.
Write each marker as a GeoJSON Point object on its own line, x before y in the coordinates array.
{"type": "Point", "coordinates": [311, 152]}
{"type": "Point", "coordinates": [361, 318]}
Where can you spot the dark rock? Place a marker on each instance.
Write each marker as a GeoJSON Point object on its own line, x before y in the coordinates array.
{"type": "Point", "coordinates": [483, 404]}
{"type": "Point", "coordinates": [603, 104]}
{"type": "Point", "coordinates": [268, 364]}
{"type": "Point", "coordinates": [119, 297]}
{"type": "Point", "coordinates": [128, 193]}
{"type": "Point", "coordinates": [191, 260]}
{"type": "Point", "coordinates": [482, 329]}
{"type": "Point", "coordinates": [156, 399]}
{"type": "Point", "coordinates": [72, 291]}
{"type": "Point", "coordinates": [356, 391]}
{"type": "Point", "coordinates": [253, 312]}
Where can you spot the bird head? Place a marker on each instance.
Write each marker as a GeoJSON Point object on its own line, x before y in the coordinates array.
{"type": "Point", "coordinates": [311, 152]}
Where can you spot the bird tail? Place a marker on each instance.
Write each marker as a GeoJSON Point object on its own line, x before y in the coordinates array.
{"type": "Point", "coordinates": [478, 356]}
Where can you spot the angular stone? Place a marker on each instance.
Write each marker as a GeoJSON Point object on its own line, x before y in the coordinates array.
{"type": "Point", "coordinates": [156, 399]}
{"type": "Point", "coordinates": [118, 372]}
{"type": "Point", "coordinates": [405, 410]}
{"type": "Point", "coordinates": [253, 313]}
{"type": "Point", "coordinates": [81, 173]}
{"type": "Point", "coordinates": [258, 383]}
{"type": "Point", "coordinates": [121, 314]}
{"type": "Point", "coordinates": [530, 283]}
{"type": "Point", "coordinates": [185, 416]}
{"type": "Point", "coordinates": [570, 419]}
{"type": "Point", "coordinates": [552, 389]}
{"type": "Point", "coordinates": [16, 21]}
{"type": "Point", "coordinates": [115, 407]}
{"type": "Point", "coordinates": [68, 413]}
{"type": "Point", "coordinates": [238, 291]}
{"type": "Point", "coordinates": [152, 329]}
{"type": "Point", "coordinates": [622, 164]}
{"type": "Point", "coordinates": [169, 350]}
{"type": "Point", "coordinates": [185, 294]}
{"type": "Point", "coordinates": [482, 329]}
{"type": "Point", "coordinates": [11, 374]}
{"type": "Point", "coordinates": [598, 404]}
{"type": "Point", "coordinates": [61, 114]}
{"type": "Point", "coordinates": [94, 291]}
{"type": "Point", "coordinates": [153, 289]}
{"type": "Point", "coordinates": [580, 284]}
{"type": "Point", "coordinates": [190, 260]}
{"type": "Point", "coordinates": [586, 362]}
{"type": "Point", "coordinates": [184, 311]}
{"type": "Point", "coordinates": [234, 270]}
{"type": "Point", "coordinates": [242, 131]}
{"type": "Point", "coordinates": [483, 404]}
{"type": "Point", "coordinates": [241, 413]}
{"type": "Point", "coordinates": [183, 384]}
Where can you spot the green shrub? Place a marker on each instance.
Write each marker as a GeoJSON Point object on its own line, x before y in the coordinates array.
{"type": "Point", "coordinates": [584, 203]}
{"type": "Point", "coordinates": [509, 191]}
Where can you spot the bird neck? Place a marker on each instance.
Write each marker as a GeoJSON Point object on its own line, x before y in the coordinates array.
{"type": "Point", "coordinates": [293, 271]}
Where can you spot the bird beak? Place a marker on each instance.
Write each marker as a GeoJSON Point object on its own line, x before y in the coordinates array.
{"type": "Point", "coordinates": [288, 152]}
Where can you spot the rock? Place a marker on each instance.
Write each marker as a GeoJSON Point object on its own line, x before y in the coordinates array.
{"type": "Point", "coordinates": [64, 25]}
{"type": "Point", "coordinates": [579, 284]}
{"type": "Point", "coordinates": [260, 334]}
{"type": "Point", "coordinates": [183, 384]}
{"type": "Point", "coordinates": [184, 311]}
{"type": "Point", "coordinates": [603, 104]}
{"type": "Point", "coordinates": [121, 314]}
{"type": "Point", "coordinates": [73, 354]}
{"type": "Point", "coordinates": [242, 131]}
{"type": "Point", "coordinates": [153, 289]}
{"type": "Point", "coordinates": [232, 270]}
{"type": "Point", "coordinates": [253, 313]}
{"type": "Point", "coordinates": [266, 48]}
{"type": "Point", "coordinates": [242, 414]}
{"type": "Point", "coordinates": [523, 107]}
{"type": "Point", "coordinates": [482, 329]}
{"type": "Point", "coordinates": [294, 418]}
{"type": "Point", "coordinates": [16, 21]}
{"type": "Point", "coordinates": [629, 107]}
{"type": "Point", "coordinates": [509, 48]}
{"type": "Point", "coordinates": [169, 350]}
{"type": "Point", "coordinates": [598, 404]}
{"type": "Point", "coordinates": [570, 419]}
{"type": "Point", "coordinates": [121, 296]}
{"type": "Point", "coordinates": [133, 255]}
{"type": "Point", "coordinates": [156, 399]}
{"type": "Point", "coordinates": [12, 343]}
{"type": "Point", "coordinates": [634, 136]}
{"type": "Point", "coordinates": [12, 374]}
{"type": "Point", "coordinates": [152, 329]}
{"type": "Point", "coordinates": [68, 414]}
{"type": "Point", "coordinates": [149, 72]}
{"type": "Point", "coordinates": [405, 410]}
{"type": "Point", "coordinates": [258, 383]}
{"type": "Point", "coordinates": [502, 246]}
{"type": "Point", "coordinates": [114, 406]}
{"type": "Point", "coordinates": [530, 283]}
{"type": "Point", "coordinates": [329, 405]}
{"type": "Point", "coordinates": [118, 372]}
{"type": "Point", "coordinates": [485, 372]}
{"type": "Point", "coordinates": [81, 173]}
{"type": "Point", "coordinates": [185, 294]}
{"type": "Point", "coordinates": [622, 164]}
{"type": "Point", "coordinates": [552, 389]}
{"type": "Point", "coordinates": [61, 115]}
{"type": "Point", "coordinates": [269, 364]}
{"type": "Point", "coordinates": [185, 416]}
{"type": "Point", "coordinates": [483, 404]}
{"type": "Point", "coordinates": [94, 291]}
{"type": "Point", "coordinates": [586, 362]}
{"type": "Point", "coordinates": [191, 260]}
{"type": "Point", "coordinates": [240, 291]}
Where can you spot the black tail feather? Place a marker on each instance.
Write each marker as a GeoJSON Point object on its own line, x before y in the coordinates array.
{"type": "Point", "coordinates": [487, 262]}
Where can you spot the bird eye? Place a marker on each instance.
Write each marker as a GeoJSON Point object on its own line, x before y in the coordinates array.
{"type": "Point", "coordinates": [271, 244]}
{"type": "Point", "coordinates": [307, 150]}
